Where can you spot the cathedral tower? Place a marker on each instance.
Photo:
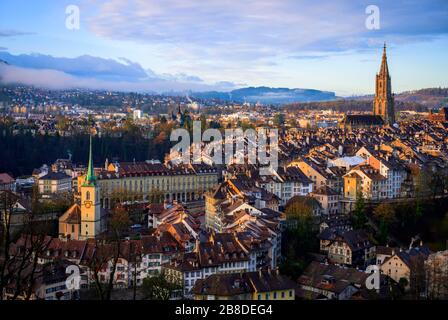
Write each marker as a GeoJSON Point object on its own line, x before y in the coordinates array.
{"type": "Point", "coordinates": [90, 204]}
{"type": "Point", "coordinates": [383, 105]}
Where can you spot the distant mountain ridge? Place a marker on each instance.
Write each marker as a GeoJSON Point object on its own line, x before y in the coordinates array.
{"type": "Point", "coordinates": [268, 95]}
{"type": "Point", "coordinates": [428, 97]}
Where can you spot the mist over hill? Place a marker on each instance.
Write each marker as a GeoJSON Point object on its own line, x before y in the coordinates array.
{"type": "Point", "coordinates": [267, 95]}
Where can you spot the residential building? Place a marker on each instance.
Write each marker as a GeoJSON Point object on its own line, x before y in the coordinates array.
{"type": "Point", "coordinates": [259, 285]}
{"type": "Point", "coordinates": [351, 248]}
{"type": "Point", "coordinates": [407, 264]}
{"type": "Point", "coordinates": [328, 199]}
{"type": "Point", "coordinates": [55, 183]}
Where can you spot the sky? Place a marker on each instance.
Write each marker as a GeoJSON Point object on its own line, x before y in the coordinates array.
{"type": "Point", "coordinates": [172, 45]}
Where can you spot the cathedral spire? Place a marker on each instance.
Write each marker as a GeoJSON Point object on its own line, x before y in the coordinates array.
{"type": "Point", "coordinates": [384, 67]}
{"type": "Point", "coordinates": [90, 179]}
{"type": "Point", "coordinates": [383, 104]}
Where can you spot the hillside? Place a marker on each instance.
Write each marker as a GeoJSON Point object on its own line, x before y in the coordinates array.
{"type": "Point", "coordinates": [430, 98]}
{"type": "Point", "coordinates": [267, 95]}
{"type": "Point", "coordinates": [418, 100]}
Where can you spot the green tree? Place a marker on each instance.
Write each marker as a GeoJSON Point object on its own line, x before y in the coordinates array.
{"type": "Point", "coordinates": [279, 120]}
{"type": "Point", "coordinates": [159, 287]}
{"type": "Point", "coordinates": [383, 232]}
{"type": "Point", "coordinates": [359, 214]}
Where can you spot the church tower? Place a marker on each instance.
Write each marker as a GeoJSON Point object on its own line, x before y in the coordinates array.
{"type": "Point", "coordinates": [90, 204]}
{"type": "Point", "coordinates": [383, 104]}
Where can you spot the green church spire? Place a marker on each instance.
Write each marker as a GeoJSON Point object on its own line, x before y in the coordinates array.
{"type": "Point", "coordinates": [90, 179]}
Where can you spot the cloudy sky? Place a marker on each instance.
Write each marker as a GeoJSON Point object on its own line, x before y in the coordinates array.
{"type": "Point", "coordinates": [162, 45]}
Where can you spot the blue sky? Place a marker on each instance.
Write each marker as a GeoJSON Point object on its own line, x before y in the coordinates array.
{"type": "Point", "coordinates": [201, 45]}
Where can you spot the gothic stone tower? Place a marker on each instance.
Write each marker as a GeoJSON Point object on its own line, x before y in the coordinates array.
{"type": "Point", "coordinates": [383, 105]}
{"type": "Point", "coordinates": [90, 204]}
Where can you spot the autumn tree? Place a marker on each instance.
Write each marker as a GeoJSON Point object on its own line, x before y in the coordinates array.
{"type": "Point", "coordinates": [386, 212]}
{"type": "Point", "coordinates": [300, 237]}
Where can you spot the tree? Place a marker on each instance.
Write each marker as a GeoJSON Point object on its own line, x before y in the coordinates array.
{"type": "Point", "coordinates": [417, 279]}
{"type": "Point", "coordinates": [385, 212]}
{"type": "Point", "coordinates": [383, 232]}
{"type": "Point", "coordinates": [156, 196]}
{"type": "Point", "coordinates": [300, 209]}
{"type": "Point", "coordinates": [19, 261]}
{"type": "Point", "coordinates": [203, 122]}
{"type": "Point", "coordinates": [300, 237]}
{"type": "Point", "coordinates": [119, 223]}
{"type": "Point", "coordinates": [359, 214]}
{"type": "Point", "coordinates": [159, 287]}
{"type": "Point", "coordinates": [279, 120]}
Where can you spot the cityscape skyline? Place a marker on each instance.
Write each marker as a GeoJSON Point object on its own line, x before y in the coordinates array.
{"type": "Point", "coordinates": [179, 46]}
{"type": "Point", "coordinates": [110, 190]}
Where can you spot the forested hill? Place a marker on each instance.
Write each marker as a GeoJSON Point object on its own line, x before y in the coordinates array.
{"type": "Point", "coordinates": [431, 97]}
{"type": "Point", "coordinates": [418, 100]}
{"type": "Point", "coordinates": [21, 153]}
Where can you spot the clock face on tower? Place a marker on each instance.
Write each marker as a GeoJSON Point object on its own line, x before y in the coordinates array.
{"type": "Point", "coordinates": [88, 204]}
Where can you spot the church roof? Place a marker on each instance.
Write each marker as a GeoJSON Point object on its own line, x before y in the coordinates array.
{"type": "Point", "coordinates": [91, 178]}
{"type": "Point", "coordinates": [72, 215]}
{"type": "Point", "coordinates": [363, 119]}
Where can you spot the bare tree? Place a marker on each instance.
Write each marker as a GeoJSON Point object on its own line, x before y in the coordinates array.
{"type": "Point", "coordinates": [109, 250]}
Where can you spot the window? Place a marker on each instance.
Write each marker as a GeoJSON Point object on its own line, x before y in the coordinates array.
{"type": "Point", "coordinates": [88, 195]}
{"type": "Point", "coordinates": [290, 293]}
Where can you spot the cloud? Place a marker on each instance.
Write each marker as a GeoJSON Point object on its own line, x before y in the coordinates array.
{"type": "Point", "coordinates": [258, 30]}
{"type": "Point", "coordinates": [14, 33]}
{"type": "Point", "coordinates": [309, 57]}
{"type": "Point", "coordinates": [121, 70]}
{"type": "Point", "coordinates": [83, 66]}
{"type": "Point", "coordinates": [58, 79]}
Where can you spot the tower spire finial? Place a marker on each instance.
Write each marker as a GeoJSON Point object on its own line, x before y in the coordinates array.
{"type": "Point", "coordinates": [90, 173]}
